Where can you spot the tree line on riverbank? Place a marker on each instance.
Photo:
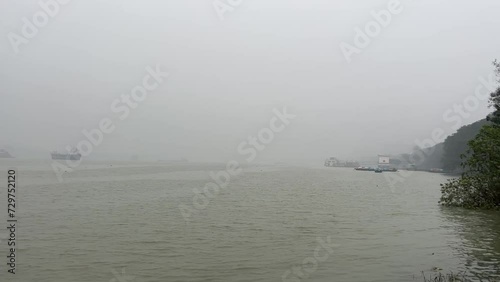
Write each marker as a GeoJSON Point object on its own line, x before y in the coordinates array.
{"type": "Point", "coordinates": [445, 155]}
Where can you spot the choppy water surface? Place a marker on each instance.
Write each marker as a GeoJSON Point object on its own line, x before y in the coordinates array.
{"type": "Point", "coordinates": [121, 222]}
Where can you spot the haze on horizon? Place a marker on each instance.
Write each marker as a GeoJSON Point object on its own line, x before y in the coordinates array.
{"type": "Point", "coordinates": [226, 77]}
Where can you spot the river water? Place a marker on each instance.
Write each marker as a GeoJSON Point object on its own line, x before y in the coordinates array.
{"type": "Point", "coordinates": [117, 222]}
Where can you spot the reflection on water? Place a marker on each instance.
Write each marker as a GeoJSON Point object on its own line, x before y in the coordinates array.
{"type": "Point", "coordinates": [479, 247]}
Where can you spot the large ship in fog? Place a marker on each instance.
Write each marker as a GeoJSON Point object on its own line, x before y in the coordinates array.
{"type": "Point", "coordinates": [334, 162]}
{"type": "Point", "coordinates": [74, 155]}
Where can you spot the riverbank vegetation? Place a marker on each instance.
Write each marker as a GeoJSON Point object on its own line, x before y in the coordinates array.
{"type": "Point", "coordinates": [479, 184]}
{"type": "Point", "coordinates": [449, 277]}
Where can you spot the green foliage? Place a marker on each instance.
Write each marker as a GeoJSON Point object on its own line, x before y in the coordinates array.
{"type": "Point", "coordinates": [495, 99]}
{"type": "Point", "coordinates": [479, 185]}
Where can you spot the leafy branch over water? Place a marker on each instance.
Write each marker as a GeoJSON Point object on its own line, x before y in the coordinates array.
{"type": "Point", "coordinates": [479, 185]}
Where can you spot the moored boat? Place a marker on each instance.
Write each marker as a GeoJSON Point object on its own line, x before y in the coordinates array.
{"type": "Point", "coordinates": [364, 168]}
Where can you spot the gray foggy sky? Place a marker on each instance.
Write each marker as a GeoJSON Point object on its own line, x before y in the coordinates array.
{"type": "Point", "coordinates": [227, 76]}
